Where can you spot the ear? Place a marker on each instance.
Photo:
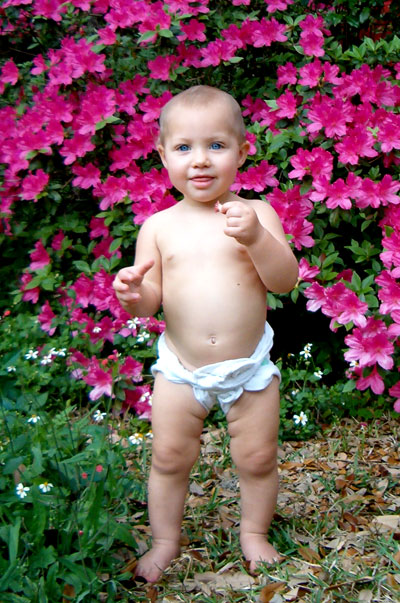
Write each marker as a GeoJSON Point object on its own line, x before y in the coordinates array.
{"type": "Point", "coordinates": [243, 152]}
{"type": "Point", "coordinates": [161, 152]}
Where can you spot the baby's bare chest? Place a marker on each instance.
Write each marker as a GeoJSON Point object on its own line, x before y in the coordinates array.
{"type": "Point", "coordinates": [194, 244]}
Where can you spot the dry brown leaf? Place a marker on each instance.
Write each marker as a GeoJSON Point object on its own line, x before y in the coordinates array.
{"type": "Point", "coordinates": [68, 593]}
{"type": "Point", "coordinates": [365, 596]}
{"type": "Point", "coordinates": [309, 554]}
{"type": "Point", "coordinates": [221, 582]}
{"type": "Point", "coordinates": [387, 522]}
{"type": "Point", "coordinates": [267, 592]}
{"type": "Point", "coordinates": [393, 580]}
{"type": "Point", "coordinates": [152, 594]}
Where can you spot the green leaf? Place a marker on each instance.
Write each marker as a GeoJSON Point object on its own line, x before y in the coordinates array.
{"type": "Point", "coordinates": [147, 35]}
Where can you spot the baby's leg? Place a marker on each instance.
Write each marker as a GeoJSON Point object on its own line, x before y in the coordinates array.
{"type": "Point", "coordinates": [177, 423]}
{"type": "Point", "coordinates": [253, 426]}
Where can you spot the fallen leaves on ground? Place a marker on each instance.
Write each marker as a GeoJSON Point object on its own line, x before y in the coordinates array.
{"type": "Point", "coordinates": [337, 523]}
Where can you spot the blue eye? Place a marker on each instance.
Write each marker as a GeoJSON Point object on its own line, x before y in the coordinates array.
{"type": "Point", "coordinates": [215, 146]}
{"type": "Point", "coordinates": [183, 147]}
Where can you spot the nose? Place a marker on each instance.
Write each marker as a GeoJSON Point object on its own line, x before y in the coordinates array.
{"type": "Point", "coordinates": [200, 157]}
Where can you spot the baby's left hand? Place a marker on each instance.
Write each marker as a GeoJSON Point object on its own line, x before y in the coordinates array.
{"type": "Point", "coordinates": [242, 222]}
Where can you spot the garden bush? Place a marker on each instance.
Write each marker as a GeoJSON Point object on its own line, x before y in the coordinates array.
{"type": "Point", "coordinates": [82, 84]}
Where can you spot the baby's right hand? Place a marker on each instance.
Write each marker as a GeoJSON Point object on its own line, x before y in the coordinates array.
{"type": "Point", "coordinates": [128, 281]}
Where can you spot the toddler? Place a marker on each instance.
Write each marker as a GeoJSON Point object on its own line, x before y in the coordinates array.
{"type": "Point", "coordinates": [209, 261]}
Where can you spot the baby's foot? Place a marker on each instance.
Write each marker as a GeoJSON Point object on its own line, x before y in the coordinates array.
{"type": "Point", "coordinates": [153, 563]}
{"type": "Point", "coordinates": [256, 549]}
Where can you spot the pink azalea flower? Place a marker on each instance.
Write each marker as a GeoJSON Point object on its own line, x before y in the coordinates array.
{"type": "Point", "coordinates": [306, 271]}
{"type": "Point", "coordinates": [86, 175]}
{"type": "Point", "coordinates": [274, 5]}
{"type": "Point", "coordinates": [76, 147]}
{"type": "Point", "coordinates": [193, 30]}
{"type": "Point", "coordinates": [357, 143]}
{"type": "Point", "coordinates": [40, 65]}
{"type": "Point", "coordinates": [102, 249]}
{"type": "Point", "coordinates": [287, 105]}
{"type": "Point", "coordinates": [139, 399]}
{"type": "Point", "coordinates": [256, 178]}
{"type": "Point", "coordinates": [33, 184]}
{"type": "Point", "coordinates": [9, 73]}
{"type": "Point", "coordinates": [338, 195]}
{"type": "Point", "coordinates": [370, 345]}
{"type": "Point", "coordinates": [316, 163]}
{"type": "Point", "coordinates": [162, 66]}
{"type": "Point", "coordinates": [39, 257]}
{"type": "Point", "coordinates": [287, 74]}
{"type": "Point", "coordinates": [292, 208]}
{"type": "Point", "coordinates": [152, 106]}
{"type": "Point", "coordinates": [98, 228]}
{"type": "Point", "coordinates": [331, 114]}
{"type": "Point", "coordinates": [57, 241]}
{"type": "Point", "coordinates": [259, 111]}
{"type": "Point", "coordinates": [389, 133]}
{"type": "Point", "coordinates": [107, 36]}
{"type": "Point", "coordinates": [395, 392]}
{"type": "Point", "coordinates": [32, 294]}
{"type": "Point", "coordinates": [311, 73]}
{"type": "Point", "coordinates": [389, 293]}
{"type": "Point", "coordinates": [373, 380]}
{"type": "Point", "coordinates": [46, 318]}
{"type": "Point", "coordinates": [112, 191]}
{"type": "Point", "coordinates": [315, 293]}
{"type": "Point", "coordinates": [217, 51]}
{"type": "Point", "coordinates": [101, 380]}
{"type": "Point", "coordinates": [267, 31]}
{"type": "Point", "coordinates": [312, 44]}
{"type": "Point", "coordinates": [83, 288]}
{"type": "Point", "coordinates": [132, 369]}
{"type": "Point", "coordinates": [50, 9]}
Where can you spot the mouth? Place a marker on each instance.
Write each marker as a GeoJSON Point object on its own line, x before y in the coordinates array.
{"type": "Point", "coordinates": [202, 180]}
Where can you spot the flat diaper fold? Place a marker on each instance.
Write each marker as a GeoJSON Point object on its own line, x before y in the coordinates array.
{"type": "Point", "coordinates": [222, 381]}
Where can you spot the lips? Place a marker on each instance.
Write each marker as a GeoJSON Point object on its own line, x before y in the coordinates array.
{"type": "Point", "coordinates": [202, 180]}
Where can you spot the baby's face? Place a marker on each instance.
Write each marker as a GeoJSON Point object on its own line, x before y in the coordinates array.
{"type": "Point", "coordinates": [202, 151]}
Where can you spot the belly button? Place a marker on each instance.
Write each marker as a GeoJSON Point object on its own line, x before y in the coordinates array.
{"type": "Point", "coordinates": [213, 340]}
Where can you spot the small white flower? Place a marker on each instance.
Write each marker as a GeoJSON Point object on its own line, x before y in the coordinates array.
{"type": "Point", "coordinates": [62, 352]}
{"type": "Point", "coordinates": [300, 419]}
{"type": "Point", "coordinates": [318, 374]}
{"type": "Point", "coordinates": [22, 490]}
{"type": "Point", "coordinates": [46, 359]}
{"type": "Point", "coordinates": [96, 330]}
{"type": "Point", "coordinates": [306, 352]}
{"type": "Point", "coordinates": [11, 369]}
{"type": "Point", "coordinates": [98, 416]}
{"type": "Point", "coordinates": [31, 355]}
{"type": "Point", "coordinates": [131, 324]}
{"type": "Point", "coordinates": [136, 438]}
{"type": "Point", "coordinates": [34, 419]}
{"type": "Point", "coordinates": [45, 487]}
{"type": "Point", "coordinates": [143, 337]}
{"type": "Point", "coordinates": [146, 397]}
{"type": "Point", "coordinates": [294, 392]}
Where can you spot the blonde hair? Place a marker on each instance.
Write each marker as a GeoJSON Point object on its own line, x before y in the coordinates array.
{"type": "Point", "coordinates": [202, 96]}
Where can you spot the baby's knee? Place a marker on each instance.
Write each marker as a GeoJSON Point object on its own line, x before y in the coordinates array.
{"type": "Point", "coordinates": [170, 458]}
{"type": "Point", "coordinates": [258, 462]}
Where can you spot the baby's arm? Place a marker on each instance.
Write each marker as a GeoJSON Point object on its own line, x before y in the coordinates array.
{"type": "Point", "coordinates": [138, 287]}
{"type": "Point", "coordinates": [256, 225]}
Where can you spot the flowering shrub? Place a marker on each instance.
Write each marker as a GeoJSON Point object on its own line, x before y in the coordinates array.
{"type": "Point", "coordinates": [80, 173]}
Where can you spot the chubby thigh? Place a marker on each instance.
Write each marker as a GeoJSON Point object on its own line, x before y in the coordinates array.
{"type": "Point", "coordinates": [253, 424]}
{"type": "Point", "coordinates": [177, 424]}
